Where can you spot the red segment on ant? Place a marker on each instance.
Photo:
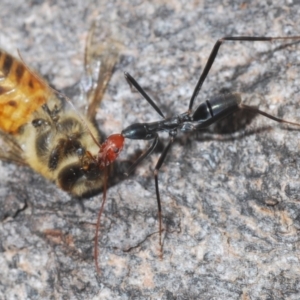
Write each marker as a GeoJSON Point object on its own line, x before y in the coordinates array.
{"type": "Point", "coordinates": [111, 148]}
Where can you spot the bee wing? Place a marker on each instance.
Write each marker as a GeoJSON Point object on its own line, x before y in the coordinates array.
{"type": "Point", "coordinates": [10, 150]}
{"type": "Point", "coordinates": [101, 55]}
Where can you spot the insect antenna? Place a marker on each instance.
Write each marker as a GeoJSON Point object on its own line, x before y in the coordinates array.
{"type": "Point", "coordinates": [96, 252]}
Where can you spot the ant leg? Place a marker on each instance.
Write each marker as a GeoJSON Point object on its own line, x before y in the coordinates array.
{"type": "Point", "coordinates": [132, 82]}
{"type": "Point", "coordinates": [214, 53]}
{"type": "Point", "coordinates": [255, 110]}
{"type": "Point", "coordinates": [144, 155]}
{"type": "Point", "coordinates": [156, 170]}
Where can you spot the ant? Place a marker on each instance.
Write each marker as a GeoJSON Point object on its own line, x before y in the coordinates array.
{"type": "Point", "coordinates": [207, 113]}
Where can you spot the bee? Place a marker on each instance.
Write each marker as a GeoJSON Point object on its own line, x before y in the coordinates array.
{"type": "Point", "coordinates": [39, 129]}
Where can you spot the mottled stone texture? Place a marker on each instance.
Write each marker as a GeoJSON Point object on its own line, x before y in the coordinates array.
{"type": "Point", "coordinates": [230, 195]}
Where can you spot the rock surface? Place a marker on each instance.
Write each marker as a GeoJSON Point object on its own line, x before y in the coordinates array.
{"type": "Point", "coordinates": [230, 195]}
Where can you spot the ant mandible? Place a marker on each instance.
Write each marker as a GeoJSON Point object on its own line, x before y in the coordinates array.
{"type": "Point", "coordinates": [206, 113]}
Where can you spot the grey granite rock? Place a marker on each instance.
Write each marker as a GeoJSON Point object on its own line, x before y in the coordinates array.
{"type": "Point", "coordinates": [230, 194]}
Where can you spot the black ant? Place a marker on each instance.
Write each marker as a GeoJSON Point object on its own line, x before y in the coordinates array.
{"type": "Point", "coordinates": [206, 113]}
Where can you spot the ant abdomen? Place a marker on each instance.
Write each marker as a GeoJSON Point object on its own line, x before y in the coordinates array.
{"type": "Point", "coordinates": [216, 108]}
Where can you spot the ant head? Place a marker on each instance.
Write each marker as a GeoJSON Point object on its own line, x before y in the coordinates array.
{"type": "Point", "coordinates": [110, 149]}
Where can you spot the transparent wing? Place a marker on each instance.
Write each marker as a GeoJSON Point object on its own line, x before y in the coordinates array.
{"type": "Point", "coordinates": [102, 52]}
{"type": "Point", "coordinates": [10, 150]}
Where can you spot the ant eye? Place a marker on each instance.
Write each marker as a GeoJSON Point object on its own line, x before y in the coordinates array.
{"type": "Point", "coordinates": [116, 150]}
